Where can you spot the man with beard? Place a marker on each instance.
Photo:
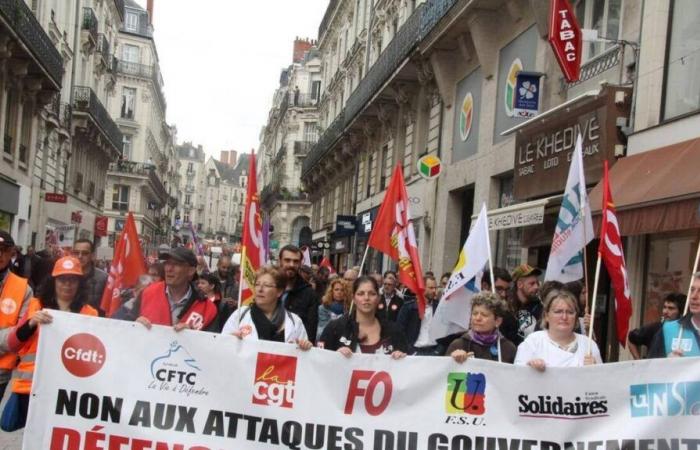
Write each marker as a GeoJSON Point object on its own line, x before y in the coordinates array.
{"type": "Point", "coordinates": [299, 297]}
{"type": "Point", "coordinates": [525, 305]}
{"type": "Point", "coordinates": [227, 274]}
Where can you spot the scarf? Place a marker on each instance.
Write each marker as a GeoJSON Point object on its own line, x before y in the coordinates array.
{"type": "Point", "coordinates": [337, 308]}
{"type": "Point", "coordinates": [268, 329]}
{"type": "Point", "coordinates": [485, 339]}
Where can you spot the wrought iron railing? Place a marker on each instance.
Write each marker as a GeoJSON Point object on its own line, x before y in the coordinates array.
{"type": "Point", "coordinates": [141, 169]}
{"type": "Point", "coordinates": [134, 69]}
{"type": "Point", "coordinates": [601, 63]}
{"type": "Point", "coordinates": [299, 100]}
{"type": "Point", "coordinates": [20, 18]}
{"type": "Point", "coordinates": [86, 101]}
{"type": "Point", "coordinates": [433, 11]}
{"type": "Point", "coordinates": [90, 22]}
{"type": "Point", "coordinates": [103, 50]}
{"type": "Point", "coordinates": [327, 139]}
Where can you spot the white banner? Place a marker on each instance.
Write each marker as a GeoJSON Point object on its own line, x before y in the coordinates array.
{"type": "Point", "coordinates": [104, 384]}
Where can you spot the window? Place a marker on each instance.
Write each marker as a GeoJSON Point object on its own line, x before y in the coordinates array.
{"type": "Point", "coordinates": [682, 85]}
{"type": "Point", "coordinates": [384, 165]}
{"type": "Point", "coordinates": [316, 90]}
{"type": "Point", "coordinates": [131, 53]}
{"type": "Point", "coordinates": [120, 198]}
{"type": "Point", "coordinates": [601, 15]}
{"type": "Point", "coordinates": [128, 102]}
{"type": "Point", "coordinates": [190, 167]}
{"type": "Point", "coordinates": [188, 199]}
{"type": "Point", "coordinates": [126, 146]}
{"type": "Point", "coordinates": [131, 21]}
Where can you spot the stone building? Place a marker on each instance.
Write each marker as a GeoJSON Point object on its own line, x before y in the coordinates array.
{"type": "Point", "coordinates": [145, 179]}
{"type": "Point", "coordinates": [224, 199]}
{"type": "Point", "coordinates": [286, 139]}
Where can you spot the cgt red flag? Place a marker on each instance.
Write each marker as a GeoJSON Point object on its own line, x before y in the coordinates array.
{"type": "Point", "coordinates": [325, 262]}
{"type": "Point", "coordinates": [253, 248]}
{"type": "Point", "coordinates": [610, 250]}
{"type": "Point", "coordinates": [393, 235]}
{"type": "Point", "coordinates": [127, 266]}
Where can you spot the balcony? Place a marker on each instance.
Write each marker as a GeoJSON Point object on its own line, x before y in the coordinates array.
{"type": "Point", "coordinates": [328, 138]}
{"type": "Point", "coordinates": [298, 100]}
{"type": "Point", "coordinates": [61, 112]}
{"type": "Point", "coordinates": [89, 26]}
{"type": "Point", "coordinates": [86, 102]}
{"type": "Point", "coordinates": [19, 18]}
{"type": "Point", "coordinates": [143, 71]}
{"type": "Point", "coordinates": [302, 148]}
{"type": "Point", "coordinates": [141, 170]}
{"type": "Point", "coordinates": [103, 48]}
{"type": "Point", "coordinates": [433, 12]}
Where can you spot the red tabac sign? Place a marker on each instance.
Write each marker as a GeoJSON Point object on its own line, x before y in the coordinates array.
{"type": "Point", "coordinates": [101, 226]}
{"type": "Point", "coordinates": [55, 198]}
{"type": "Point", "coordinates": [565, 38]}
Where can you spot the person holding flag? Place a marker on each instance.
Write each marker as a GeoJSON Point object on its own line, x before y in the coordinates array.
{"type": "Point", "coordinates": [252, 242]}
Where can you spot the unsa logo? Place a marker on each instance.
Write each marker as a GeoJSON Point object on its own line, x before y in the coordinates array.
{"type": "Point", "coordinates": [275, 380]}
{"type": "Point", "coordinates": [466, 393]}
{"type": "Point", "coordinates": [83, 355]}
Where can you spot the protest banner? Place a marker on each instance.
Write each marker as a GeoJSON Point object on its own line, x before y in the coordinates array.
{"type": "Point", "coordinates": [194, 390]}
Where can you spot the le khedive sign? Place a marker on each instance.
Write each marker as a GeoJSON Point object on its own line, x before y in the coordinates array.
{"type": "Point", "coordinates": [543, 147]}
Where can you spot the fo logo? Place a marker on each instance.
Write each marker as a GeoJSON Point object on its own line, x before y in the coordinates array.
{"type": "Point", "coordinates": [466, 393]}
{"type": "Point", "coordinates": [83, 355]}
{"type": "Point", "coordinates": [365, 383]}
{"type": "Point", "coordinates": [275, 378]}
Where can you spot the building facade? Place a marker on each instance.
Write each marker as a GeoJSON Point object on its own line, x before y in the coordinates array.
{"type": "Point", "coordinates": [145, 179]}
{"type": "Point", "coordinates": [286, 139]}
{"type": "Point", "coordinates": [191, 192]}
{"type": "Point", "coordinates": [224, 199]}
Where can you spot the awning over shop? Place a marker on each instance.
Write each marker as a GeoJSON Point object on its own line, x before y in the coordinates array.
{"type": "Point", "coordinates": [655, 191]}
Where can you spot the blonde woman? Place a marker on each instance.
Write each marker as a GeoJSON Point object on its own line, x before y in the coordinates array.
{"type": "Point", "coordinates": [336, 302]}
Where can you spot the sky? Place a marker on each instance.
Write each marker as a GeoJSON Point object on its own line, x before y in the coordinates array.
{"type": "Point", "coordinates": [221, 62]}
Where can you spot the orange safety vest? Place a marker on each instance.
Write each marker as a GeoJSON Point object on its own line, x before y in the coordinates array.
{"type": "Point", "coordinates": [11, 299]}
{"type": "Point", "coordinates": [22, 375]}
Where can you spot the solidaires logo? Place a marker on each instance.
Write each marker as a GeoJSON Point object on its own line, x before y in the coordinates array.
{"type": "Point", "coordinates": [466, 116]}
{"type": "Point", "coordinates": [511, 80]}
{"type": "Point", "coordinates": [466, 393]}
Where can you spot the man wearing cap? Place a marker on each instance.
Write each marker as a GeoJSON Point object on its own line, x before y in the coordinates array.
{"type": "Point", "coordinates": [95, 279]}
{"type": "Point", "coordinates": [525, 304]}
{"type": "Point", "coordinates": [15, 295]}
{"type": "Point", "coordinates": [175, 301]}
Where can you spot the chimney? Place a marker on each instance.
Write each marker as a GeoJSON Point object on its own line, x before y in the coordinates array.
{"type": "Point", "coordinates": [224, 156]}
{"type": "Point", "coordinates": [149, 8]}
{"type": "Point", "coordinates": [301, 46]}
{"type": "Point", "coordinates": [232, 157]}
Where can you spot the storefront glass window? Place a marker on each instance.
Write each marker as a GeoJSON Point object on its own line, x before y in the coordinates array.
{"type": "Point", "coordinates": [682, 83]}
{"type": "Point", "coordinates": [670, 259]}
{"type": "Point", "coordinates": [5, 221]}
{"type": "Point", "coordinates": [509, 241]}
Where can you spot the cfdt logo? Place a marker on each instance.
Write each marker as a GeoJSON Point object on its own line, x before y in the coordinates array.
{"type": "Point", "coordinates": [275, 379]}
{"type": "Point", "coordinates": [665, 399]}
{"type": "Point", "coordinates": [176, 371]}
{"type": "Point", "coordinates": [374, 387]}
{"type": "Point", "coordinates": [466, 393]}
{"type": "Point", "coordinates": [83, 355]}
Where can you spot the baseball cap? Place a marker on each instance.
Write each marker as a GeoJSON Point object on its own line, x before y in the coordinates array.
{"type": "Point", "coordinates": [6, 239]}
{"type": "Point", "coordinates": [67, 265]}
{"type": "Point", "coordinates": [525, 270]}
{"type": "Point", "coordinates": [180, 254]}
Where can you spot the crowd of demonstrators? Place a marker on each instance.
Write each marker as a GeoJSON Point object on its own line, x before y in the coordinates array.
{"type": "Point", "coordinates": [417, 330]}
{"type": "Point", "coordinates": [267, 318]}
{"type": "Point", "coordinates": [64, 290]}
{"type": "Point", "coordinates": [557, 344]}
{"type": "Point", "coordinates": [666, 342]}
{"type": "Point", "coordinates": [483, 340]}
{"type": "Point", "coordinates": [95, 279]}
{"type": "Point", "coordinates": [364, 329]}
{"type": "Point", "coordinates": [642, 337]}
{"type": "Point", "coordinates": [334, 303]}
{"type": "Point", "coordinates": [299, 297]}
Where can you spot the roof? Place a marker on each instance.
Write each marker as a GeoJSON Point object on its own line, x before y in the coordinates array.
{"type": "Point", "coordinates": [183, 152]}
{"type": "Point", "coordinates": [232, 174]}
{"type": "Point", "coordinates": [133, 4]}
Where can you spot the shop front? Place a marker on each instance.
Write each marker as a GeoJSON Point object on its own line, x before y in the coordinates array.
{"type": "Point", "coordinates": [365, 221]}
{"type": "Point", "coordinates": [9, 204]}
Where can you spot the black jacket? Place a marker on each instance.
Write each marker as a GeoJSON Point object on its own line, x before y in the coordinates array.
{"type": "Point", "coordinates": [303, 301]}
{"type": "Point", "coordinates": [658, 344]}
{"type": "Point", "coordinates": [343, 332]}
{"type": "Point", "coordinates": [391, 312]}
{"type": "Point", "coordinates": [409, 321]}
{"type": "Point", "coordinates": [229, 287]}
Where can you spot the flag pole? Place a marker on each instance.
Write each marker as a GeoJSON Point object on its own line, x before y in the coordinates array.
{"type": "Point", "coordinates": [585, 255]}
{"type": "Point", "coordinates": [593, 303]}
{"type": "Point", "coordinates": [364, 258]}
{"type": "Point", "coordinates": [687, 298]}
{"type": "Point", "coordinates": [240, 283]}
{"type": "Point", "coordinates": [488, 245]}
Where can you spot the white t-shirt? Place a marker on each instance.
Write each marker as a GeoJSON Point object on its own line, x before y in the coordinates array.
{"type": "Point", "coordinates": [424, 339]}
{"type": "Point", "coordinates": [538, 345]}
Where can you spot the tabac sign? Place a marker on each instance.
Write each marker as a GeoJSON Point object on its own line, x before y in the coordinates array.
{"type": "Point", "coordinates": [543, 146]}
{"type": "Point", "coordinates": [565, 38]}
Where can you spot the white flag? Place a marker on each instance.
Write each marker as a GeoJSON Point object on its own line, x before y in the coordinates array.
{"type": "Point", "coordinates": [574, 228]}
{"type": "Point", "coordinates": [306, 257]}
{"type": "Point", "coordinates": [453, 314]}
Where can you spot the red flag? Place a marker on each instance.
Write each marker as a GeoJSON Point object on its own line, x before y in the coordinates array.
{"type": "Point", "coordinates": [253, 250]}
{"type": "Point", "coordinates": [325, 262]}
{"type": "Point", "coordinates": [393, 235]}
{"type": "Point", "coordinates": [610, 250]}
{"type": "Point", "coordinates": [127, 266]}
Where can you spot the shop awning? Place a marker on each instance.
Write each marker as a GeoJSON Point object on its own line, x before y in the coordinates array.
{"type": "Point", "coordinates": [517, 215]}
{"type": "Point", "coordinates": [655, 191]}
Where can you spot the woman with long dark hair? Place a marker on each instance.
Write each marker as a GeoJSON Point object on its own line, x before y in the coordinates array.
{"type": "Point", "coordinates": [361, 330]}
{"type": "Point", "coordinates": [63, 291]}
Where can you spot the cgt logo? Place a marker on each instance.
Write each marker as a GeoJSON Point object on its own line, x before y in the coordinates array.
{"type": "Point", "coordinates": [466, 393]}
{"type": "Point", "coordinates": [275, 378]}
{"type": "Point", "coordinates": [83, 355]}
{"type": "Point", "coordinates": [364, 383]}
{"type": "Point", "coordinates": [665, 399]}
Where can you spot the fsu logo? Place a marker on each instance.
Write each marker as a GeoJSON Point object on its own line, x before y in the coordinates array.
{"type": "Point", "coordinates": [275, 379]}
{"type": "Point", "coordinates": [466, 393]}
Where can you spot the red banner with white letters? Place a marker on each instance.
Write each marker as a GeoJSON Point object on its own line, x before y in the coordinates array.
{"type": "Point", "coordinates": [565, 38]}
